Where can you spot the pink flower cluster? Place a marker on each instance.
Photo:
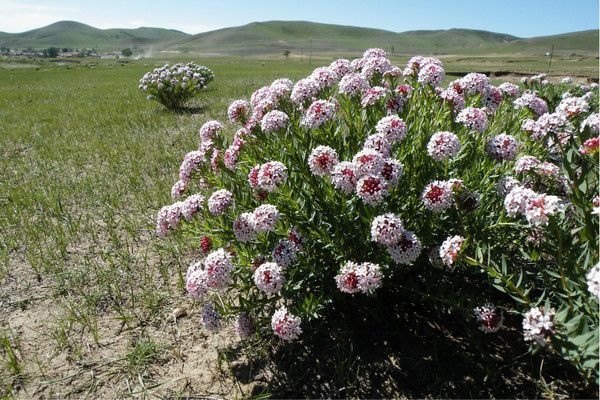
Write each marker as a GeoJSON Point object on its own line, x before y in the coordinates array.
{"type": "Point", "coordinates": [285, 253]}
{"type": "Point", "coordinates": [536, 207]}
{"type": "Point", "coordinates": [322, 160]}
{"type": "Point", "coordinates": [439, 195]}
{"type": "Point", "coordinates": [214, 272]}
{"type": "Point", "coordinates": [340, 66]}
{"type": "Point", "coordinates": [273, 121]}
{"type": "Point", "coordinates": [210, 130]}
{"type": "Point", "coordinates": [443, 145]}
{"type": "Point", "coordinates": [502, 147]}
{"type": "Point", "coordinates": [371, 173]}
{"type": "Point", "coordinates": [474, 119]}
{"type": "Point", "coordinates": [354, 277]}
{"type": "Point", "coordinates": [593, 281]}
{"type": "Point", "coordinates": [407, 249]}
{"type": "Point", "coordinates": [455, 99]}
{"type": "Point", "coordinates": [415, 64]}
{"type": "Point", "coordinates": [372, 95]}
{"type": "Point", "coordinates": [269, 277]}
{"type": "Point", "coordinates": [554, 123]}
{"type": "Point", "coordinates": [305, 90]}
{"type": "Point", "coordinates": [386, 229]}
{"type": "Point", "coordinates": [509, 89]}
{"type": "Point", "coordinates": [325, 76]}
{"type": "Point", "coordinates": [286, 325]}
{"type": "Point", "coordinates": [493, 99]}
{"type": "Point", "coordinates": [169, 217]}
{"type": "Point", "coordinates": [402, 245]}
{"type": "Point", "coordinates": [353, 84]}
{"type": "Point", "coordinates": [490, 319]}
{"type": "Point", "coordinates": [392, 128]}
{"type": "Point", "coordinates": [270, 175]}
{"type": "Point", "coordinates": [431, 74]}
{"type": "Point", "coordinates": [572, 106]}
{"type": "Point", "coordinates": [472, 84]}
{"type": "Point", "coordinates": [219, 201]}
{"type": "Point", "coordinates": [590, 146]}
{"type": "Point", "coordinates": [244, 326]}
{"type": "Point", "coordinates": [319, 112]}
{"type": "Point", "coordinates": [238, 111]}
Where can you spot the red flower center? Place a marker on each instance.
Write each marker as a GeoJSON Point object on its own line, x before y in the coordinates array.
{"type": "Point", "coordinates": [434, 194]}
{"type": "Point", "coordinates": [351, 280]}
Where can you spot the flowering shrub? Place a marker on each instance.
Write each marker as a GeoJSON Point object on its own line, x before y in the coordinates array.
{"type": "Point", "coordinates": [174, 85]}
{"type": "Point", "coordinates": [361, 178]}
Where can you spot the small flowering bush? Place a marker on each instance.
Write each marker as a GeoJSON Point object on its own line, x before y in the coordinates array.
{"type": "Point", "coordinates": [364, 177]}
{"type": "Point", "coordinates": [174, 85]}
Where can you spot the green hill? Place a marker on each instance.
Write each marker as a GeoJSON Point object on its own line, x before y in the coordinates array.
{"type": "Point", "coordinates": [301, 36]}
{"type": "Point", "coordinates": [77, 35]}
{"type": "Point", "coordinates": [273, 37]}
{"type": "Point", "coordinates": [575, 42]}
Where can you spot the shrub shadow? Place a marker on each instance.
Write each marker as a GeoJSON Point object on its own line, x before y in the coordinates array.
{"type": "Point", "coordinates": [415, 352]}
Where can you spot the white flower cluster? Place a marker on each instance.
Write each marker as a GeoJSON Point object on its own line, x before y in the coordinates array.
{"type": "Point", "coordinates": [450, 249]}
{"type": "Point", "coordinates": [593, 281]}
{"type": "Point", "coordinates": [532, 102]}
{"type": "Point", "coordinates": [572, 106]}
{"type": "Point", "coordinates": [172, 85]}
{"type": "Point", "coordinates": [536, 207]}
{"type": "Point", "coordinates": [538, 325]}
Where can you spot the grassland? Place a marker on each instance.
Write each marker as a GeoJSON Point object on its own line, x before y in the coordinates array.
{"type": "Point", "coordinates": [91, 304]}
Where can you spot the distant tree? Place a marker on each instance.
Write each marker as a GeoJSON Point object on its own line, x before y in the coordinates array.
{"type": "Point", "coordinates": [392, 50]}
{"type": "Point", "coordinates": [4, 50]}
{"type": "Point", "coordinates": [51, 52]}
{"type": "Point", "coordinates": [127, 52]}
{"type": "Point", "coordinates": [286, 54]}
{"type": "Point", "coordinates": [65, 50]}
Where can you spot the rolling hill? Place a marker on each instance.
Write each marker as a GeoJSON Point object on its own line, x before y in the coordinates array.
{"type": "Point", "coordinates": [276, 36]}
{"type": "Point", "coordinates": [77, 35]}
{"type": "Point", "coordinates": [575, 42]}
{"type": "Point", "coordinates": [301, 37]}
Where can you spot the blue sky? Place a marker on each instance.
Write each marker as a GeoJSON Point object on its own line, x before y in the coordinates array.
{"type": "Point", "coordinates": [524, 18]}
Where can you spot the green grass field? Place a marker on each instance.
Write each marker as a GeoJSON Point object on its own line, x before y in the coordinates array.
{"type": "Point", "coordinates": [91, 304]}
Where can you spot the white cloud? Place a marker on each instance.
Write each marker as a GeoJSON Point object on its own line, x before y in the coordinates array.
{"type": "Point", "coordinates": [19, 16]}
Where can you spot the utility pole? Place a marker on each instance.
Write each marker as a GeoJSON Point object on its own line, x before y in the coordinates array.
{"type": "Point", "coordinates": [301, 54]}
{"type": "Point", "coordinates": [550, 61]}
{"type": "Point", "coordinates": [310, 53]}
